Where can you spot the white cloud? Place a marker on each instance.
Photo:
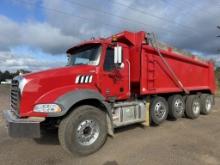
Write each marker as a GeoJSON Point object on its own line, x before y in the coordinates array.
{"type": "Point", "coordinates": [13, 62]}
{"type": "Point", "coordinates": [9, 33]}
{"type": "Point", "coordinates": [38, 35]}
{"type": "Point", "coordinates": [68, 22]}
{"type": "Point", "coordinates": [72, 20]}
{"type": "Point", "coordinates": [46, 37]}
{"type": "Point", "coordinates": [188, 25]}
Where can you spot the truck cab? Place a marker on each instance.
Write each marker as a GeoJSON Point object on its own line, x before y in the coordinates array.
{"type": "Point", "coordinates": [107, 83]}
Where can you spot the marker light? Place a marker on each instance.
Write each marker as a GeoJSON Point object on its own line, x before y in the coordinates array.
{"type": "Point", "coordinates": [47, 108]}
{"type": "Point", "coordinates": [114, 38]}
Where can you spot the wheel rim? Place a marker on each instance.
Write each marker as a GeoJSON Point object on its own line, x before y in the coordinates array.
{"type": "Point", "coordinates": [179, 106]}
{"type": "Point", "coordinates": [196, 107]}
{"type": "Point", "coordinates": [87, 132]}
{"type": "Point", "coordinates": [208, 104]}
{"type": "Point", "coordinates": [160, 110]}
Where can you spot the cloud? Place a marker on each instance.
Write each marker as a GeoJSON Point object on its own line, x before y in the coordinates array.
{"type": "Point", "coordinates": [13, 62]}
{"type": "Point", "coordinates": [40, 35]}
{"type": "Point", "coordinates": [9, 32]}
{"type": "Point", "coordinates": [188, 25]}
{"type": "Point", "coordinates": [66, 22]}
{"type": "Point", "coordinates": [185, 24]}
{"type": "Point", "coordinates": [44, 36]}
{"type": "Point", "coordinates": [76, 20]}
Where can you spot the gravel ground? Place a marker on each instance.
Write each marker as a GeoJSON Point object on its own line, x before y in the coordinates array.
{"type": "Point", "coordinates": [175, 142]}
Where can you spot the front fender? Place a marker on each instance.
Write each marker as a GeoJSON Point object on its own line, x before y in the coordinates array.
{"type": "Point", "coordinates": [69, 99]}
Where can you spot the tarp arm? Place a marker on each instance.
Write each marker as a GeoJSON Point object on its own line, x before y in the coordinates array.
{"type": "Point", "coordinates": [175, 78]}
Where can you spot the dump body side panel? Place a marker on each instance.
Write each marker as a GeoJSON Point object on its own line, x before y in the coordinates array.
{"type": "Point", "coordinates": [194, 74]}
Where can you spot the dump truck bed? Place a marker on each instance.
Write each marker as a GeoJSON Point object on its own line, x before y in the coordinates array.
{"type": "Point", "coordinates": [156, 77]}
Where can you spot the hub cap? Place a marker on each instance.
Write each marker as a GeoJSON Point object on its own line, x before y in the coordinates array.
{"type": "Point", "coordinates": [196, 107]}
{"type": "Point", "coordinates": [87, 132]}
{"type": "Point", "coordinates": [160, 110]}
{"type": "Point", "coordinates": [179, 106]}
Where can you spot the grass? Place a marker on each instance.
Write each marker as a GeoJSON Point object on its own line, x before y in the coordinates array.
{"type": "Point", "coordinates": [217, 94]}
{"type": "Point", "coordinates": [4, 88]}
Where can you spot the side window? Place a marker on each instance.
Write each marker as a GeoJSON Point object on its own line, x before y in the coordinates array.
{"type": "Point", "coordinates": [109, 59]}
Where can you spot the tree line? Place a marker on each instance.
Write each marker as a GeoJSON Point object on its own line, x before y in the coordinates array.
{"type": "Point", "coordinates": [217, 75]}
{"type": "Point", "coordinates": [9, 75]}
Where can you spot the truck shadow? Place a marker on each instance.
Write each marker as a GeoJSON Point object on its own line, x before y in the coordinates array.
{"type": "Point", "coordinates": [129, 127]}
{"type": "Point", "coordinates": [49, 137]}
{"type": "Point", "coordinates": [111, 163]}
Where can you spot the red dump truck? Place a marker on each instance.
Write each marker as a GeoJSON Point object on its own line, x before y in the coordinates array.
{"type": "Point", "coordinates": [108, 83]}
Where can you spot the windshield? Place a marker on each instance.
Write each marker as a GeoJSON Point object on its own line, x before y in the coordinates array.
{"type": "Point", "coordinates": [85, 55]}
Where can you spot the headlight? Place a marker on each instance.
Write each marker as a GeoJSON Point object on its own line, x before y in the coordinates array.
{"type": "Point", "coordinates": [47, 108]}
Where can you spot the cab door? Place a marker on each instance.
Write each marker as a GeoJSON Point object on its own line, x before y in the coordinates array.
{"type": "Point", "coordinates": [114, 83]}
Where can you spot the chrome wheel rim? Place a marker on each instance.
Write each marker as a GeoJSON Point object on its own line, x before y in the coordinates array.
{"type": "Point", "coordinates": [196, 107]}
{"type": "Point", "coordinates": [160, 110]}
{"type": "Point", "coordinates": [179, 106]}
{"type": "Point", "coordinates": [208, 104]}
{"type": "Point", "coordinates": [87, 132]}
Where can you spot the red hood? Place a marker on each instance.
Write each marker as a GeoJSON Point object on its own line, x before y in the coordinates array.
{"type": "Point", "coordinates": [46, 86]}
{"type": "Point", "coordinates": [60, 72]}
{"type": "Point", "coordinates": [44, 81]}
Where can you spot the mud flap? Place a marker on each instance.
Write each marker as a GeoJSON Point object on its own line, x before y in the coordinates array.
{"type": "Point", "coordinates": [110, 126]}
{"type": "Point", "coordinates": [147, 115]}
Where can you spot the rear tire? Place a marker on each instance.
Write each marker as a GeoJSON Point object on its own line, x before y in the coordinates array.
{"type": "Point", "coordinates": [193, 106]}
{"type": "Point", "coordinates": [176, 106]}
{"type": "Point", "coordinates": [83, 131]}
{"type": "Point", "coordinates": [206, 103]}
{"type": "Point", "coordinates": [158, 110]}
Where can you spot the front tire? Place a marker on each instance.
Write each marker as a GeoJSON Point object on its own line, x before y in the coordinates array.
{"type": "Point", "coordinates": [83, 131]}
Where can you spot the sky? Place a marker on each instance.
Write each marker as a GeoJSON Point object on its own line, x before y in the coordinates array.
{"type": "Point", "coordinates": [35, 34]}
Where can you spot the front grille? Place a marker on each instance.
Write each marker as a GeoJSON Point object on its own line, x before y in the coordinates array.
{"type": "Point", "coordinates": [15, 95]}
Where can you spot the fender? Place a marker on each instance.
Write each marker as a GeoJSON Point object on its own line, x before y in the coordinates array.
{"type": "Point", "coordinates": [69, 99]}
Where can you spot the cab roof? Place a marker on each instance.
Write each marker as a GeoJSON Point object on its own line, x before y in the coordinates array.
{"type": "Point", "coordinates": [130, 38]}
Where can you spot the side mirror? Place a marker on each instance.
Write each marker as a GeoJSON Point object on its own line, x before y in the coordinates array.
{"type": "Point", "coordinates": [117, 55]}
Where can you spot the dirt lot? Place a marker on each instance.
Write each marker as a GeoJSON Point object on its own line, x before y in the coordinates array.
{"type": "Point", "coordinates": [174, 142]}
